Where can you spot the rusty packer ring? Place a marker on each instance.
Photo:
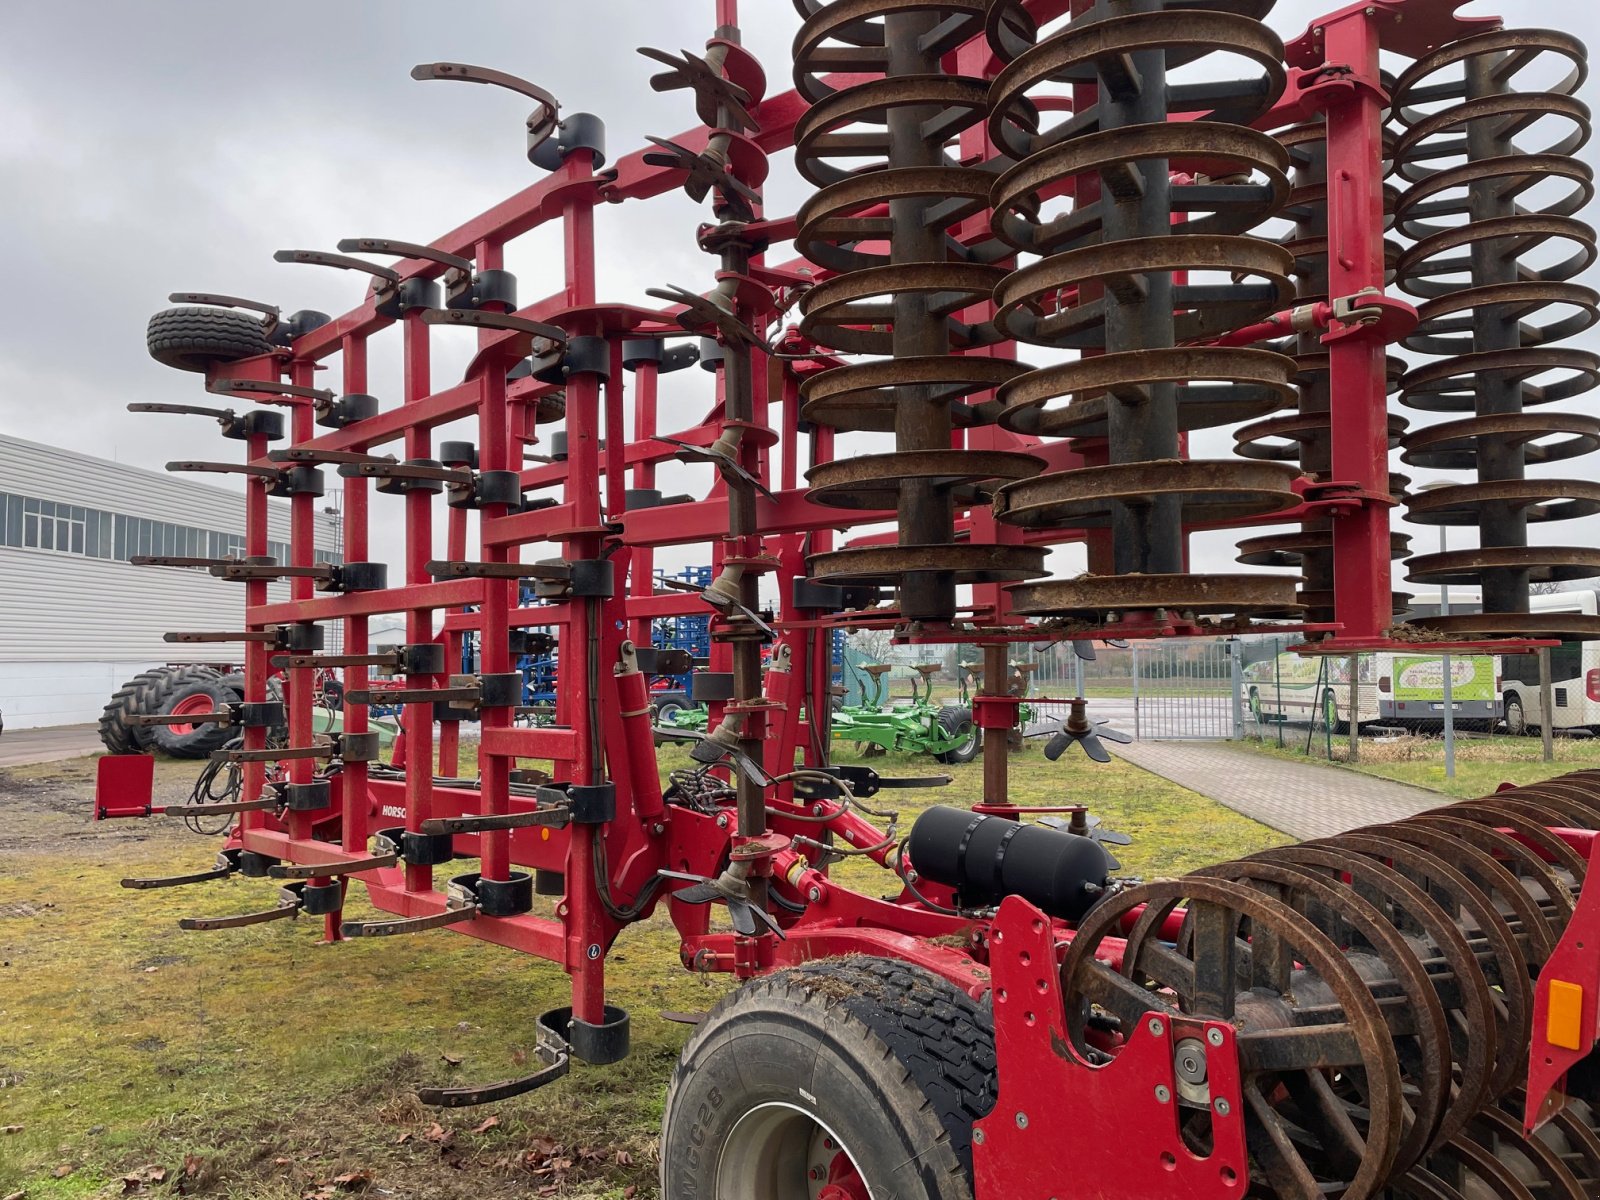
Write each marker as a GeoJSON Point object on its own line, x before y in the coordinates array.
{"type": "Point", "coordinates": [875, 480]}
{"type": "Point", "coordinates": [1032, 307]}
{"type": "Point", "coordinates": [1257, 381]}
{"type": "Point", "coordinates": [1211, 490]}
{"type": "Point", "coordinates": [1218, 975]}
{"type": "Point", "coordinates": [1093, 597]}
{"type": "Point", "coordinates": [864, 396]}
{"type": "Point", "coordinates": [844, 36]}
{"type": "Point", "coordinates": [877, 566]}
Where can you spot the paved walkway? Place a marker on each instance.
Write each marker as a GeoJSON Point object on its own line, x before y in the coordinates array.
{"type": "Point", "coordinates": [52, 744]}
{"type": "Point", "coordinates": [1304, 800]}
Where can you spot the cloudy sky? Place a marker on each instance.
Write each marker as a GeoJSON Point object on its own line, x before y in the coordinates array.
{"type": "Point", "coordinates": [173, 145]}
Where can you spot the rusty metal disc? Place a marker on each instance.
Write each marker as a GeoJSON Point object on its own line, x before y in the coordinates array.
{"type": "Point", "coordinates": [827, 129]}
{"type": "Point", "coordinates": [1442, 200]}
{"type": "Point", "coordinates": [964, 563]}
{"type": "Point", "coordinates": [1073, 53]}
{"type": "Point", "coordinates": [865, 396]}
{"type": "Point", "coordinates": [1440, 946]}
{"type": "Point", "coordinates": [832, 228]}
{"type": "Point", "coordinates": [1539, 500]}
{"type": "Point", "coordinates": [1210, 489]}
{"type": "Point", "coordinates": [1032, 309]}
{"type": "Point", "coordinates": [1093, 596]}
{"type": "Point", "coordinates": [1453, 445]}
{"type": "Point", "coordinates": [1390, 967]}
{"type": "Point", "coordinates": [1499, 959]}
{"type": "Point", "coordinates": [1514, 625]}
{"type": "Point", "coordinates": [1283, 439]}
{"type": "Point", "coordinates": [1429, 269]}
{"type": "Point", "coordinates": [874, 481]}
{"type": "Point", "coordinates": [1444, 324]}
{"type": "Point", "coordinates": [1523, 44]}
{"type": "Point", "coordinates": [855, 312]}
{"type": "Point", "coordinates": [1288, 549]}
{"type": "Point", "coordinates": [1544, 564]}
{"type": "Point", "coordinates": [1448, 386]}
{"type": "Point", "coordinates": [846, 37]}
{"type": "Point", "coordinates": [1248, 961]}
{"type": "Point", "coordinates": [1196, 147]}
{"type": "Point", "coordinates": [1258, 382]}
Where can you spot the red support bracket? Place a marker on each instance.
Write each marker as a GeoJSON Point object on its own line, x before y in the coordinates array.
{"type": "Point", "coordinates": [1566, 1010]}
{"type": "Point", "coordinates": [1117, 1125]}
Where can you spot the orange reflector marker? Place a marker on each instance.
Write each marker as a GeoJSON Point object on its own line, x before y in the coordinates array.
{"type": "Point", "coordinates": [1564, 1027]}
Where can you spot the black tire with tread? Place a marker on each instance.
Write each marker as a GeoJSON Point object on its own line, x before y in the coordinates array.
{"type": "Point", "coordinates": [201, 739]}
{"type": "Point", "coordinates": [889, 1052]}
{"type": "Point", "coordinates": [234, 682]}
{"type": "Point", "coordinates": [196, 339]}
{"type": "Point", "coordinates": [143, 695]}
{"type": "Point", "coordinates": [953, 718]}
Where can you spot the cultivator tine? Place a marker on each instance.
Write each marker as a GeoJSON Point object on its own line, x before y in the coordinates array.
{"type": "Point", "coordinates": [349, 866]}
{"type": "Point", "coordinates": [217, 808]}
{"type": "Point", "coordinates": [227, 864]}
{"type": "Point", "coordinates": [542, 122]}
{"type": "Point", "coordinates": [288, 752]}
{"type": "Point", "coordinates": [269, 387]}
{"type": "Point", "coordinates": [551, 1049]}
{"type": "Point", "coordinates": [404, 250]}
{"type": "Point", "coordinates": [550, 818]}
{"type": "Point", "coordinates": [288, 907]}
{"type": "Point", "coordinates": [271, 311]}
{"type": "Point", "coordinates": [438, 920]}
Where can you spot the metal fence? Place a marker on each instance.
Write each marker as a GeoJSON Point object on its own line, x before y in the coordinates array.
{"type": "Point", "coordinates": [1179, 691]}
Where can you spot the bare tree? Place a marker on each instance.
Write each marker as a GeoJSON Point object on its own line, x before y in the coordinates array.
{"type": "Point", "coordinates": [872, 644]}
{"type": "Point", "coordinates": [1547, 588]}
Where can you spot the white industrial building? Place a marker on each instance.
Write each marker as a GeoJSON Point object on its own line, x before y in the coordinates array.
{"type": "Point", "coordinates": [76, 618]}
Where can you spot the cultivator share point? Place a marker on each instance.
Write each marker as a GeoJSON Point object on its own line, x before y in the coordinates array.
{"type": "Point", "coordinates": [1048, 242]}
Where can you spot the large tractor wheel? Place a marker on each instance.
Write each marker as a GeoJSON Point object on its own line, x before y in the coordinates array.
{"type": "Point", "coordinates": [143, 695]}
{"type": "Point", "coordinates": [852, 1079]}
{"type": "Point", "coordinates": [955, 721]}
{"type": "Point", "coordinates": [196, 339]}
{"type": "Point", "coordinates": [199, 740]}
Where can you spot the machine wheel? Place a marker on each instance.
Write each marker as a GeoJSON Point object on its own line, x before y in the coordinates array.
{"type": "Point", "coordinates": [195, 339]}
{"type": "Point", "coordinates": [143, 695]}
{"type": "Point", "coordinates": [1517, 718]}
{"type": "Point", "coordinates": [955, 721]}
{"type": "Point", "coordinates": [851, 1079]}
{"type": "Point", "coordinates": [332, 695]}
{"type": "Point", "coordinates": [1254, 701]}
{"type": "Point", "coordinates": [234, 682]}
{"type": "Point", "coordinates": [194, 741]}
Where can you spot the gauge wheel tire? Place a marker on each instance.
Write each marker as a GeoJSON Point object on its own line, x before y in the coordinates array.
{"type": "Point", "coordinates": [194, 741]}
{"type": "Point", "coordinates": [1517, 718]}
{"type": "Point", "coordinates": [666, 711]}
{"type": "Point", "coordinates": [955, 720]}
{"type": "Point", "coordinates": [143, 695]}
{"type": "Point", "coordinates": [870, 1071]}
{"type": "Point", "coordinates": [197, 339]}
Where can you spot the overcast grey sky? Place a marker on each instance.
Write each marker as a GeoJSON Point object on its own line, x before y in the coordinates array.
{"type": "Point", "coordinates": [169, 145]}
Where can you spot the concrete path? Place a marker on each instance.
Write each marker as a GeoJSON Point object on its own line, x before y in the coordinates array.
{"type": "Point", "coordinates": [1304, 800]}
{"type": "Point", "coordinates": [52, 744]}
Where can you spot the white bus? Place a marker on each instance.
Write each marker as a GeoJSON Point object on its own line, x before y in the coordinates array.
{"type": "Point", "coordinates": [1574, 674]}
{"type": "Point", "coordinates": [1391, 689]}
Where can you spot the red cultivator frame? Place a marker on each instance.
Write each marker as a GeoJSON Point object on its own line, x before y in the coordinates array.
{"type": "Point", "coordinates": [995, 181]}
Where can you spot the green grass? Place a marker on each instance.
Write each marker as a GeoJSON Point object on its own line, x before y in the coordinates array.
{"type": "Point", "coordinates": [272, 1064]}
{"type": "Point", "coordinates": [1482, 764]}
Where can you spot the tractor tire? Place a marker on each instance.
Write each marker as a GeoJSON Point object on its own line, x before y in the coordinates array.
{"type": "Point", "coordinates": [194, 741]}
{"type": "Point", "coordinates": [869, 1070]}
{"type": "Point", "coordinates": [1517, 718]}
{"type": "Point", "coordinates": [953, 719]}
{"type": "Point", "coordinates": [234, 682]}
{"type": "Point", "coordinates": [197, 339]}
{"type": "Point", "coordinates": [332, 695]}
{"type": "Point", "coordinates": [143, 695]}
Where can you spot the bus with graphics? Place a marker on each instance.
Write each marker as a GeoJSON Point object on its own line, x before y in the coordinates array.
{"type": "Point", "coordinates": [1405, 690]}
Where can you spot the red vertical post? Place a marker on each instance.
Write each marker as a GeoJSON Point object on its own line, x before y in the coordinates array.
{"type": "Point", "coordinates": [417, 719]}
{"type": "Point", "coordinates": [584, 917]}
{"type": "Point", "coordinates": [646, 378]}
{"type": "Point", "coordinates": [354, 815]}
{"type": "Point", "coordinates": [1359, 407]}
